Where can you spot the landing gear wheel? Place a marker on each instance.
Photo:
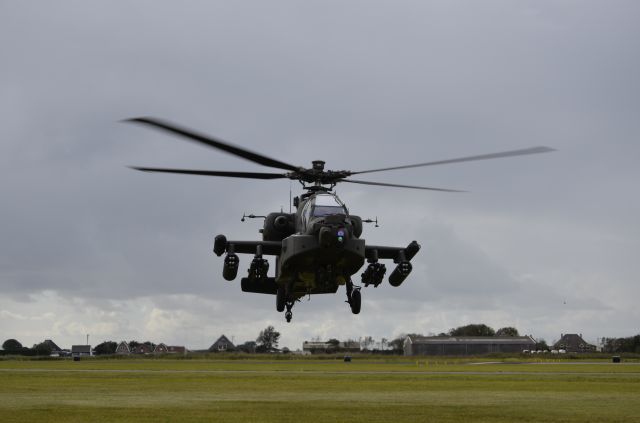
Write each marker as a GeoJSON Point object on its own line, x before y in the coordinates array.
{"type": "Point", "coordinates": [280, 299]}
{"type": "Point", "coordinates": [355, 301]}
{"type": "Point", "coordinates": [288, 315]}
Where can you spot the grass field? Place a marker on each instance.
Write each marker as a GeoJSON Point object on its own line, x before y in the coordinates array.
{"type": "Point", "coordinates": [318, 390]}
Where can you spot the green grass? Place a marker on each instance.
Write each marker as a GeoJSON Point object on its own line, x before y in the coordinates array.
{"type": "Point", "coordinates": [366, 390]}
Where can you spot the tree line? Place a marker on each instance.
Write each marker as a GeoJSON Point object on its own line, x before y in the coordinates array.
{"type": "Point", "coordinates": [14, 347]}
{"type": "Point", "coordinates": [629, 344]}
{"type": "Point", "coordinates": [267, 341]}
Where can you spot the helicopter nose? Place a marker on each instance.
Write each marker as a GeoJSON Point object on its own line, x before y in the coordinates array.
{"type": "Point", "coordinates": [330, 237]}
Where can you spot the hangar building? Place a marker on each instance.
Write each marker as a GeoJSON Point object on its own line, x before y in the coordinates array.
{"type": "Point", "coordinates": [466, 345]}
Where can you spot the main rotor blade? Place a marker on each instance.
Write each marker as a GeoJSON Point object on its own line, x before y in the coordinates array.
{"type": "Point", "coordinates": [533, 150]}
{"type": "Point", "coordinates": [213, 142]}
{"type": "Point", "coordinates": [250, 175]}
{"type": "Point", "coordinates": [353, 181]}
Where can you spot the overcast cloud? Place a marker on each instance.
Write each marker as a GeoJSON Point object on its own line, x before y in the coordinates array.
{"type": "Point", "coordinates": [546, 243]}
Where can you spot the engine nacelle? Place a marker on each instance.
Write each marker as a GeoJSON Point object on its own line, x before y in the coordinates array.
{"type": "Point", "coordinates": [278, 226]}
{"type": "Point", "coordinates": [356, 224]}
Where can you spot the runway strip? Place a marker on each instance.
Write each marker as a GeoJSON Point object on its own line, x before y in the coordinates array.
{"type": "Point", "coordinates": [318, 372]}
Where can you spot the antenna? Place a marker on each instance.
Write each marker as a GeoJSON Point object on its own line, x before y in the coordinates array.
{"type": "Point", "coordinates": [372, 221]}
{"type": "Point", "coordinates": [251, 216]}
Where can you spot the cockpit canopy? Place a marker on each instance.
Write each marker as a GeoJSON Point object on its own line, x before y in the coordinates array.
{"type": "Point", "coordinates": [321, 205]}
{"type": "Point", "coordinates": [327, 204]}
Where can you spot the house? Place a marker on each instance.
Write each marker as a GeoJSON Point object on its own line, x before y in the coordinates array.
{"type": "Point", "coordinates": [161, 348]}
{"type": "Point", "coordinates": [174, 349]}
{"type": "Point", "coordinates": [466, 345]}
{"type": "Point", "coordinates": [142, 349]}
{"type": "Point", "coordinates": [573, 342]}
{"type": "Point", "coordinates": [222, 345]}
{"type": "Point", "coordinates": [123, 348]}
{"type": "Point", "coordinates": [80, 350]}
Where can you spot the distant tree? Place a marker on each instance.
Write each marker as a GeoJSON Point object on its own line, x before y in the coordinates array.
{"type": "Point", "coordinates": [133, 344]}
{"type": "Point", "coordinates": [267, 339]}
{"type": "Point", "coordinates": [105, 348]}
{"type": "Point", "coordinates": [286, 350]}
{"type": "Point", "coordinates": [397, 344]}
{"type": "Point", "coordinates": [383, 343]}
{"type": "Point", "coordinates": [12, 346]}
{"type": "Point", "coordinates": [507, 331]}
{"type": "Point", "coordinates": [367, 342]}
{"type": "Point", "coordinates": [150, 344]}
{"type": "Point", "coordinates": [621, 345]}
{"type": "Point", "coordinates": [541, 344]}
{"type": "Point", "coordinates": [42, 349]}
{"type": "Point", "coordinates": [26, 351]}
{"type": "Point", "coordinates": [333, 342]}
{"type": "Point", "coordinates": [479, 329]}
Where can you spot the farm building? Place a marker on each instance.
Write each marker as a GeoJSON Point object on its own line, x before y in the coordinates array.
{"type": "Point", "coordinates": [572, 342]}
{"type": "Point", "coordinates": [466, 345]}
{"type": "Point", "coordinates": [222, 345]}
{"type": "Point", "coordinates": [80, 350]}
{"type": "Point", "coordinates": [316, 347]}
{"type": "Point", "coordinates": [319, 347]}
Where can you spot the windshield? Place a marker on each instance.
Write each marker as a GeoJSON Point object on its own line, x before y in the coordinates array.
{"type": "Point", "coordinates": [327, 210]}
{"type": "Point", "coordinates": [326, 205]}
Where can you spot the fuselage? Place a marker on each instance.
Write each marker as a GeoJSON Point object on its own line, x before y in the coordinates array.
{"type": "Point", "coordinates": [325, 250]}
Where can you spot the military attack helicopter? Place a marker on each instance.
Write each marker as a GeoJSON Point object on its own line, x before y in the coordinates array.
{"type": "Point", "coordinates": [318, 248]}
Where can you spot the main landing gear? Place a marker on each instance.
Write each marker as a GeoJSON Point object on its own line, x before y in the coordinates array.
{"type": "Point", "coordinates": [283, 302]}
{"type": "Point", "coordinates": [354, 298]}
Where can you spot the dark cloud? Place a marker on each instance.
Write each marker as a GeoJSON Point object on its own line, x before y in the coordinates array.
{"type": "Point", "coordinates": [358, 84]}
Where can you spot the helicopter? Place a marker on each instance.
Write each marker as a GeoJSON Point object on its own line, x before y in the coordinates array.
{"type": "Point", "coordinates": [317, 248]}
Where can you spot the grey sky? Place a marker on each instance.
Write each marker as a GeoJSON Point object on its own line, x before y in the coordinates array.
{"type": "Point", "coordinates": [547, 243]}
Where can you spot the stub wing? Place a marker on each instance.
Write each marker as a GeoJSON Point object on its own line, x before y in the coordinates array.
{"type": "Point", "coordinates": [270, 248]}
{"type": "Point", "coordinates": [375, 252]}
{"type": "Point", "coordinates": [375, 271]}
